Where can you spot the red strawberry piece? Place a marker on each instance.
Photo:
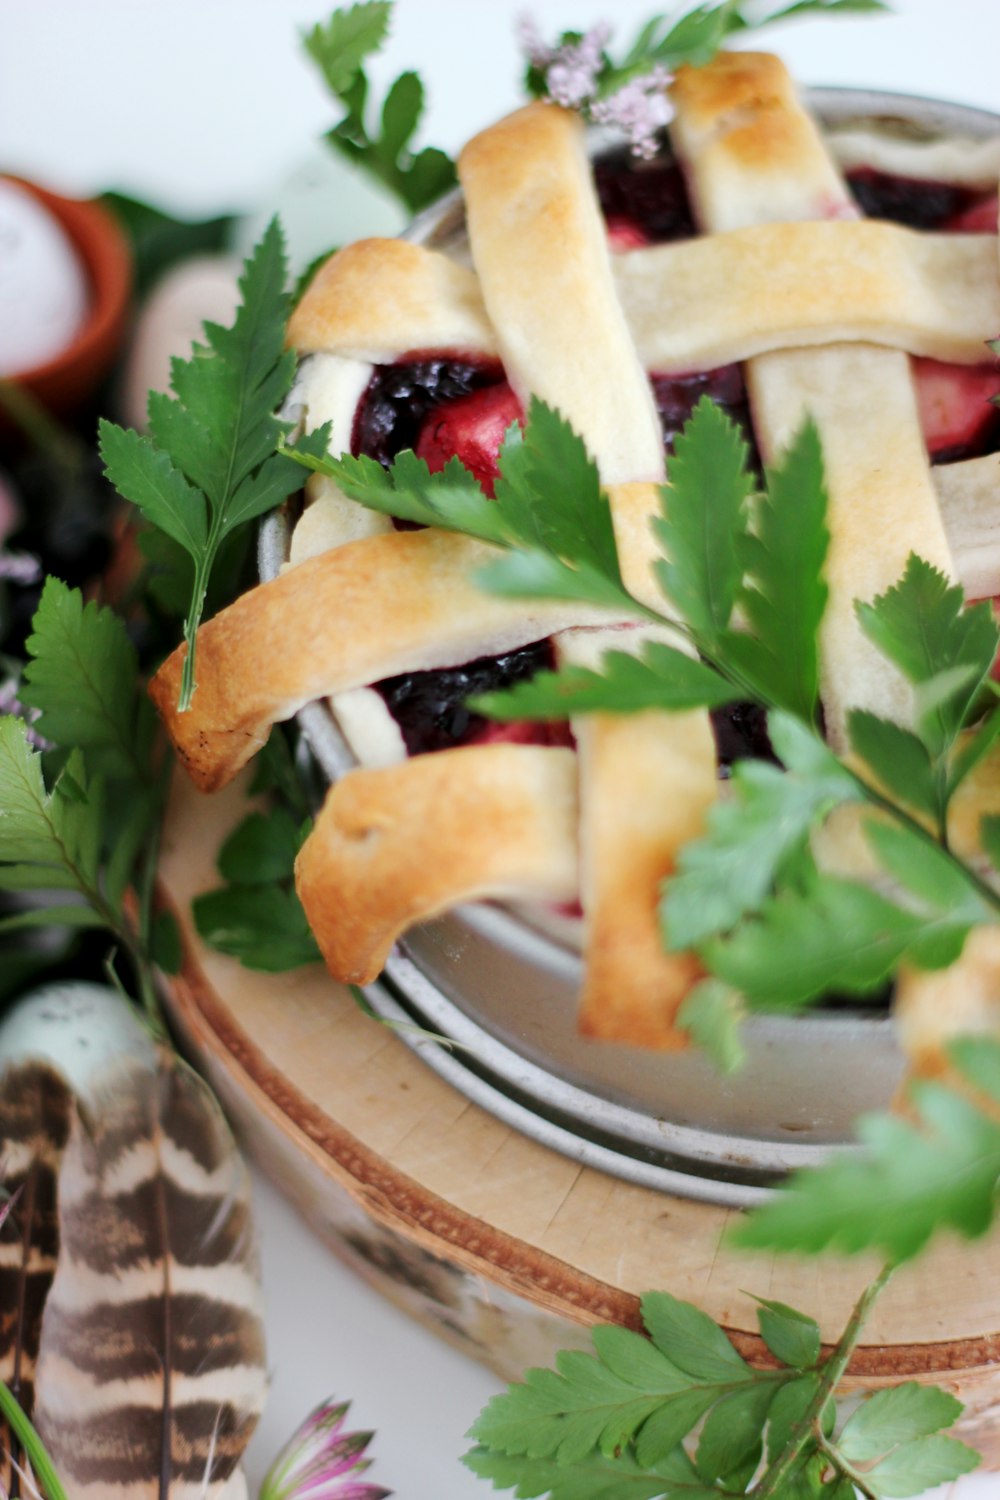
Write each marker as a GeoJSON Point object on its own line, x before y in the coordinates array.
{"type": "Point", "coordinates": [978, 218]}
{"type": "Point", "coordinates": [625, 234]}
{"type": "Point", "coordinates": [955, 405]}
{"type": "Point", "coordinates": [470, 429]}
{"type": "Point", "coordinates": [525, 732]}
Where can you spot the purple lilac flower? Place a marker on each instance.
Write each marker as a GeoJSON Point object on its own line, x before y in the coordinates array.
{"type": "Point", "coordinates": [19, 567]}
{"type": "Point", "coordinates": [640, 108]}
{"type": "Point", "coordinates": [322, 1462]}
{"type": "Point", "coordinates": [572, 73]}
{"type": "Point", "coordinates": [10, 703]}
{"type": "Point", "coordinates": [572, 70]}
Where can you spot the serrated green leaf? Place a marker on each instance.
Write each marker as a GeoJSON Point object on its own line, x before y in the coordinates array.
{"type": "Point", "coordinates": [342, 44]}
{"type": "Point", "coordinates": [921, 624]}
{"type": "Point", "coordinates": [579, 1407]}
{"type": "Point", "coordinates": [595, 1479]}
{"type": "Point", "coordinates": [261, 850]}
{"type": "Point", "coordinates": [407, 489]}
{"type": "Point", "coordinates": [790, 1404]}
{"type": "Point", "coordinates": [925, 869]}
{"type": "Point", "coordinates": [914, 1177]}
{"type": "Point", "coordinates": [712, 1014]}
{"type": "Point", "coordinates": [783, 594]}
{"type": "Point", "coordinates": [973, 751]}
{"type": "Point", "coordinates": [790, 1335]}
{"type": "Point", "coordinates": [539, 575]}
{"type": "Point", "coordinates": [989, 837]}
{"type": "Point", "coordinates": [401, 113]}
{"type": "Point", "coordinates": [731, 871]}
{"type": "Point", "coordinates": [670, 1424]}
{"type": "Point", "coordinates": [166, 948]}
{"type": "Point", "coordinates": [704, 517]}
{"type": "Point", "coordinates": [733, 1430]}
{"type": "Point", "coordinates": [917, 1466]}
{"type": "Point", "coordinates": [264, 927]}
{"type": "Point", "coordinates": [691, 1340]}
{"type": "Point", "coordinates": [148, 478]}
{"type": "Point", "coordinates": [51, 916]}
{"type": "Point", "coordinates": [794, 950]}
{"type": "Point", "coordinates": [83, 678]}
{"type": "Point", "coordinates": [661, 677]}
{"type": "Point", "coordinates": [899, 760]}
{"type": "Point", "coordinates": [898, 1415]}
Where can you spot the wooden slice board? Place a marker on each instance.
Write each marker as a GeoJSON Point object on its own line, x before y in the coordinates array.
{"type": "Point", "coordinates": [499, 1243]}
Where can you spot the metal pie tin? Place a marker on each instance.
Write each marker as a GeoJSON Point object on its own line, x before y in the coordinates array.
{"type": "Point", "coordinates": [504, 991]}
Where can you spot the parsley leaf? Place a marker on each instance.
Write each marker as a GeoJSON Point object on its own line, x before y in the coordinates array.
{"type": "Point", "coordinates": [898, 1415]}
{"type": "Point", "coordinates": [784, 595]}
{"type": "Point", "coordinates": [257, 916]}
{"type": "Point", "coordinates": [923, 626]}
{"type": "Point", "coordinates": [752, 836]}
{"type": "Point", "coordinates": [83, 679]}
{"type": "Point", "coordinates": [806, 925]}
{"type": "Point", "coordinates": [209, 464]}
{"type": "Point", "coordinates": [790, 1335]}
{"type": "Point", "coordinates": [712, 1015]}
{"type": "Point", "coordinates": [703, 521]}
{"type": "Point", "coordinates": [939, 1168]}
{"type": "Point", "coordinates": [550, 511]}
{"type": "Point", "coordinates": [49, 839]}
{"type": "Point", "coordinates": [340, 47]}
{"type": "Point", "coordinates": [659, 677]}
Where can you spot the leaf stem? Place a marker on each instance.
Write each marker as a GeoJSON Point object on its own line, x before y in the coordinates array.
{"type": "Point", "coordinates": [833, 1372]}
{"type": "Point", "coordinates": [22, 1428]}
{"type": "Point", "coordinates": [841, 1464]}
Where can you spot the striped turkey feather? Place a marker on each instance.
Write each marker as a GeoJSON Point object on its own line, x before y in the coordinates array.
{"type": "Point", "coordinates": [36, 1107]}
{"type": "Point", "coordinates": [151, 1375]}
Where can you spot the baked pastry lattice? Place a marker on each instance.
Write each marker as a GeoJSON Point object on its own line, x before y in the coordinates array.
{"type": "Point", "coordinates": [825, 308]}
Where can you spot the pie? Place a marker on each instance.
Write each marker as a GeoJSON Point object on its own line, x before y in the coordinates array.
{"type": "Point", "coordinates": [755, 259]}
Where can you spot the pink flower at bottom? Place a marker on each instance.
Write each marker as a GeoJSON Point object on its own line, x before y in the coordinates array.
{"type": "Point", "coordinates": [322, 1461]}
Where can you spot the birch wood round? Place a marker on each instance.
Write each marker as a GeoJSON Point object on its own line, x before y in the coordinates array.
{"type": "Point", "coordinates": [498, 1243]}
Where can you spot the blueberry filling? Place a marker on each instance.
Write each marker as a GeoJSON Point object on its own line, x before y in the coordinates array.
{"type": "Point", "coordinates": [399, 397]}
{"type": "Point", "coordinates": [740, 731]}
{"type": "Point", "coordinates": [652, 195]}
{"type": "Point", "coordinates": [651, 199]}
{"type": "Point", "coordinates": [676, 397]}
{"type": "Point", "coordinates": [910, 200]}
{"type": "Point", "coordinates": [430, 707]}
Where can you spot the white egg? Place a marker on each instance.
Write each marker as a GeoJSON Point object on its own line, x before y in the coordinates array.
{"type": "Point", "coordinates": [204, 287]}
{"type": "Point", "coordinates": [78, 1029]}
{"type": "Point", "coordinates": [43, 285]}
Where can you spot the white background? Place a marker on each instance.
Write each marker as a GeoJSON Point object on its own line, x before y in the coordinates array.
{"type": "Point", "coordinates": [208, 105]}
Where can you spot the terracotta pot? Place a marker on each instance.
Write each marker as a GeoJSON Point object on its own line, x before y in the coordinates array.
{"type": "Point", "coordinates": [66, 380]}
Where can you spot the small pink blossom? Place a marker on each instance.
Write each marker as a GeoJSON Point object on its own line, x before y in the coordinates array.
{"type": "Point", "coordinates": [572, 70]}
{"type": "Point", "coordinates": [640, 108]}
{"type": "Point", "coordinates": [322, 1462]}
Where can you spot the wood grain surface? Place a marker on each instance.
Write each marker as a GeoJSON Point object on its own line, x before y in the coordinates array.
{"type": "Point", "coordinates": [420, 1187]}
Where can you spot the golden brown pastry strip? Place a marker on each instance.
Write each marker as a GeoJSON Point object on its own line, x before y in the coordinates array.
{"type": "Point", "coordinates": [753, 154]}
{"type": "Point", "coordinates": [697, 304]}
{"type": "Point", "coordinates": [400, 845]}
{"type": "Point", "coordinates": [647, 781]}
{"type": "Point", "coordinates": [539, 245]}
{"type": "Point", "coordinates": [377, 299]}
{"type": "Point", "coordinates": [400, 602]}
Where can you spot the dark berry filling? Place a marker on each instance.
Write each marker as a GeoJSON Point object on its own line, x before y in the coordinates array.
{"type": "Point", "coordinates": [392, 410]}
{"type": "Point", "coordinates": [914, 202]}
{"type": "Point", "coordinates": [740, 731]}
{"type": "Point", "coordinates": [648, 196]}
{"type": "Point", "coordinates": [432, 714]}
{"type": "Point", "coordinates": [444, 405]}
{"type": "Point", "coordinates": [677, 396]}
